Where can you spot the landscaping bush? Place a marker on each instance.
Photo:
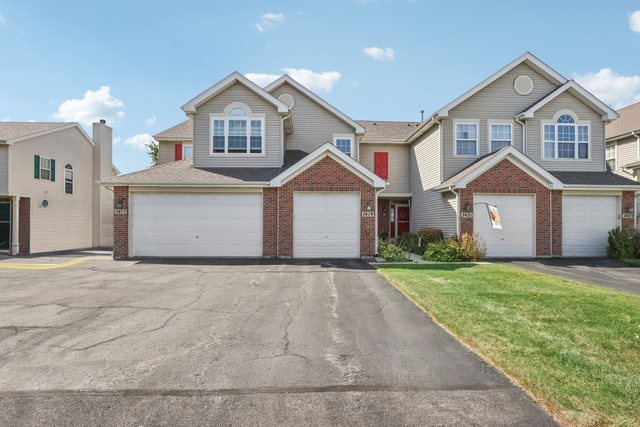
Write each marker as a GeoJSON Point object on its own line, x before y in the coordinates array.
{"type": "Point", "coordinates": [430, 235]}
{"type": "Point", "coordinates": [448, 250]}
{"type": "Point", "coordinates": [624, 244]}
{"type": "Point", "coordinates": [473, 248]}
{"type": "Point", "coordinates": [390, 252]}
{"type": "Point", "coordinates": [411, 242]}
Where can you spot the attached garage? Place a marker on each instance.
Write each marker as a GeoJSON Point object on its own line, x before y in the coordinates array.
{"type": "Point", "coordinates": [196, 225]}
{"type": "Point", "coordinates": [517, 212]}
{"type": "Point", "coordinates": [586, 221]}
{"type": "Point", "coordinates": [326, 225]}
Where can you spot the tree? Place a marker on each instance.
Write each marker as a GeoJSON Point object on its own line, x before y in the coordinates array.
{"type": "Point", "coordinates": [153, 152]}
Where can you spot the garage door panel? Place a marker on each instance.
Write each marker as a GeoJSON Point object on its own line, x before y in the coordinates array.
{"type": "Point", "coordinates": [586, 221]}
{"type": "Point", "coordinates": [205, 225]}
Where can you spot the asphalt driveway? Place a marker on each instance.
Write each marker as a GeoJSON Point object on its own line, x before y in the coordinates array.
{"type": "Point", "coordinates": [595, 271]}
{"type": "Point", "coordinates": [127, 343]}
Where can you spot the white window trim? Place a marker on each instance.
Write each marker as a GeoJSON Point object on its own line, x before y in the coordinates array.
{"type": "Point", "coordinates": [350, 137]}
{"type": "Point", "coordinates": [614, 158]}
{"type": "Point", "coordinates": [73, 181]}
{"type": "Point", "coordinates": [225, 118]}
{"type": "Point", "coordinates": [476, 123]}
{"type": "Point", "coordinates": [554, 123]}
{"type": "Point", "coordinates": [498, 122]}
{"type": "Point", "coordinates": [191, 145]}
{"type": "Point", "coordinates": [47, 169]}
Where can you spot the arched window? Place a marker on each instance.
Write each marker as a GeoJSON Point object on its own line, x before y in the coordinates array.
{"type": "Point", "coordinates": [68, 179]}
{"type": "Point", "coordinates": [238, 132]}
{"type": "Point", "coordinates": [566, 138]}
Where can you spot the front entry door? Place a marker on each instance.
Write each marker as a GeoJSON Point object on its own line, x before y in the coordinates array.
{"type": "Point", "coordinates": [402, 219]}
{"type": "Point", "coordinates": [5, 225]}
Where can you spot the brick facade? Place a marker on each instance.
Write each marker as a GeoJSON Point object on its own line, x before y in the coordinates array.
{"type": "Point", "coordinates": [628, 204]}
{"type": "Point", "coordinates": [24, 226]}
{"type": "Point", "coordinates": [121, 223]}
{"type": "Point", "coordinates": [326, 175]}
{"type": "Point", "coordinates": [507, 178]}
{"type": "Point", "coordinates": [383, 216]}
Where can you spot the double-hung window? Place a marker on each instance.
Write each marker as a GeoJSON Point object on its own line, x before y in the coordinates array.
{"type": "Point", "coordinates": [344, 143]}
{"type": "Point", "coordinates": [611, 157]}
{"type": "Point", "coordinates": [500, 136]}
{"type": "Point", "coordinates": [566, 139]}
{"type": "Point", "coordinates": [187, 151]}
{"type": "Point", "coordinates": [45, 168]}
{"type": "Point", "coordinates": [466, 139]}
{"type": "Point", "coordinates": [239, 132]}
{"type": "Point", "coordinates": [68, 179]}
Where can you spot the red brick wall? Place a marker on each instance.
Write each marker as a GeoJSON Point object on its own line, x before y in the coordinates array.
{"type": "Point", "coordinates": [628, 199]}
{"type": "Point", "coordinates": [507, 178]}
{"type": "Point", "coordinates": [326, 175]}
{"type": "Point", "coordinates": [121, 223]}
{"type": "Point", "coordinates": [24, 226]}
{"type": "Point", "coordinates": [383, 220]}
{"type": "Point", "coordinates": [270, 222]}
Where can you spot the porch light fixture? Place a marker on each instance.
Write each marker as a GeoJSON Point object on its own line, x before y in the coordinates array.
{"type": "Point", "coordinates": [630, 209]}
{"type": "Point", "coordinates": [368, 206]}
{"type": "Point", "coordinates": [467, 207]}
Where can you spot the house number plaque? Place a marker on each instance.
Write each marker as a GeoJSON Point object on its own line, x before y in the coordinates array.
{"type": "Point", "coordinates": [120, 211]}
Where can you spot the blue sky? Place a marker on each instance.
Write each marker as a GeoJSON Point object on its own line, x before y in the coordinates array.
{"type": "Point", "coordinates": [142, 60]}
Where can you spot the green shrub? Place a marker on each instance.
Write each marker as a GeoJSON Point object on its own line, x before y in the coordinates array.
{"type": "Point", "coordinates": [390, 252]}
{"type": "Point", "coordinates": [473, 248]}
{"type": "Point", "coordinates": [448, 250]}
{"type": "Point", "coordinates": [430, 235]}
{"type": "Point", "coordinates": [411, 242]}
{"type": "Point", "coordinates": [624, 244]}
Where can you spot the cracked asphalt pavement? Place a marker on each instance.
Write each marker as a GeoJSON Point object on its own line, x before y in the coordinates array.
{"type": "Point", "coordinates": [235, 342]}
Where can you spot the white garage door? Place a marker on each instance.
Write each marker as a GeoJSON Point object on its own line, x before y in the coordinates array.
{"type": "Point", "coordinates": [517, 237]}
{"type": "Point", "coordinates": [586, 221]}
{"type": "Point", "coordinates": [196, 225]}
{"type": "Point", "coordinates": [326, 225]}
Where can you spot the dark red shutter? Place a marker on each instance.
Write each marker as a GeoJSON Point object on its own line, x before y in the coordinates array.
{"type": "Point", "coordinates": [178, 148]}
{"type": "Point", "coordinates": [381, 164]}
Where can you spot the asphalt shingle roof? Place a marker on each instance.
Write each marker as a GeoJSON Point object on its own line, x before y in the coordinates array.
{"type": "Point", "coordinates": [12, 130]}
{"type": "Point", "coordinates": [593, 178]}
{"type": "Point", "coordinates": [629, 121]}
{"type": "Point", "coordinates": [386, 130]}
{"type": "Point", "coordinates": [182, 130]}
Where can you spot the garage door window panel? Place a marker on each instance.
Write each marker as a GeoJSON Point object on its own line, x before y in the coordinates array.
{"type": "Point", "coordinates": [239, 132]}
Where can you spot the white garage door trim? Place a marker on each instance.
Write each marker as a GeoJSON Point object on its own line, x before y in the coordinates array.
{"type": "Point", "coordinates": [326, 225]}
{"type": "Point", "coordinates": [517, 239]}
{"type": "Point", "coordinates": [195, 224]}
{"type": "Point", "coordinates": [586, 221]}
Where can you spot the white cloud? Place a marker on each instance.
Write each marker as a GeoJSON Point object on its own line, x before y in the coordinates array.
{"type": "Point", "coordinates": [151, 120]}
{"type": "Point", "coordinates": [3, 20]}
{"type": "Point", "coordinates": [634, 21]}
{"type": "Point", "coordinates": [95, 105]}
{"type": "Point", "coordinates": [611, 87]}
{"type": "Point", "coordinates": [139, 142]}
{"type": "Point", "coordinates": [268, 20]}
{"type": "Point", "coordinates": [379, 54]}
{"type": "Point", "coordinates": [321, 82]}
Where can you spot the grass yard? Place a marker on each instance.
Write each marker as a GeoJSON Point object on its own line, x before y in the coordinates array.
{"type": "Point", "coordinates": [634, 262]}
{"type": "Point", "coordinates": [575, 347]}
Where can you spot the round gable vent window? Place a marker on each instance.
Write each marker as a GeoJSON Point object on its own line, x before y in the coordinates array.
{"type": "Point", "coordinates": [523, 85]}
{"type": "Point", "coordinates": [44, 203]}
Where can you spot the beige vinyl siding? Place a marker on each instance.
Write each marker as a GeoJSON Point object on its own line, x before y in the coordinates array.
{"type": "Point", "coordinates": [4, 169]}
{"type": "Point", "coordinates": [166, 151]}
{"type": "Point", "coordinates": [66, 223]}
{"type": "Point", "coordinates": [429, 208]}
{"type": "Point", "coordinates": [216, 105]}
{"type": "Point", "coordinates": [312, 124]}
{"type": "Point", "coordinates": [497, 102]}
{"type": "Point", "coordinates": [398, 164]}
{"type": "Point", "coordinates": [627, 152]}
{"type": "Point", "coordinates": [566, 101]}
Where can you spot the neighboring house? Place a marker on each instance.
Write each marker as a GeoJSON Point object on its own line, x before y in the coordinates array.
{"type": "Point", "coordinates": [50, 193]}
{"type": "Point", "coordinates": [277, 171]}
{"type": "Point", "coordinates": [623, 144]}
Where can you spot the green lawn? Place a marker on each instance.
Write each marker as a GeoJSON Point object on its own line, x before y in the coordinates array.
{"type": "Point", "coordinates": [575, 347]}
{"type": "Point", "coordinates": [634, 262]}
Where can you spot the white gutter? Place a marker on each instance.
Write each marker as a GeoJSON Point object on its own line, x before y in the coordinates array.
{"type": "Point", "coordinates": [184, 184]}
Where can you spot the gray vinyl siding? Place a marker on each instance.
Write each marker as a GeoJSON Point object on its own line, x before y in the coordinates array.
{"type": "Point", "coordinates": [166, 151]}
{"type": "Point", "coordinates": [398, 164]}
{"type": "Point", "coordinates": [4, 169]}
{"type": "Point", "coordinates": [627, 152]}
{"type": "Point", "coordinates": [216, 105]}
{"type": "Point", "coordinates": [499, 102]}
{"type": "Point", "coordinates": [313, 125]}
{"type": "Point", "coordinates": [429, 208]}
{"type": "Point", "coordinates": [566, 101]}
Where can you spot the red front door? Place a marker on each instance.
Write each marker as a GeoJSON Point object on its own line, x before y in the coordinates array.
{"type": "Point", "coordinates": [403, 219]}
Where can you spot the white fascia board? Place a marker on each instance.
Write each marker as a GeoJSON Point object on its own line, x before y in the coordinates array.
{"type": "Point", "coordinates": [424, 127]}
{"type": "Point", "coordinates": [522, 161]}
{"type": "Point", "coordinates": [191, 106]}
{"type": "Point", "coordinates": [608, 113]}
{"type": "Point", "coordinates": [49, 131]}
{"type": "Point", "coordinates": [110, 184]}
{"type": "Point", "coordinates": [288, 79]}
{"type": "Point", "coordinates": [583, 187]}
{"type": "Point", "coordinates": [324, 149]}
{"type": "Point", "coordinates": [559, 79]}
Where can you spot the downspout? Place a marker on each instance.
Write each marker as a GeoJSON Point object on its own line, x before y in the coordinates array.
{"type": "Point", "coordinates": [524, 135]}
{"type": "Point", "coordinates": [550, 224]}
{"type": "Point", "coordinates": [282, 137]}
{"type": "Point", "coordinates": [375, 227]}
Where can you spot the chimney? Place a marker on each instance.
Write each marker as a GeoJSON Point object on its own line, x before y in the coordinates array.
{"type": "Point", "coordinates": [102, 197]}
